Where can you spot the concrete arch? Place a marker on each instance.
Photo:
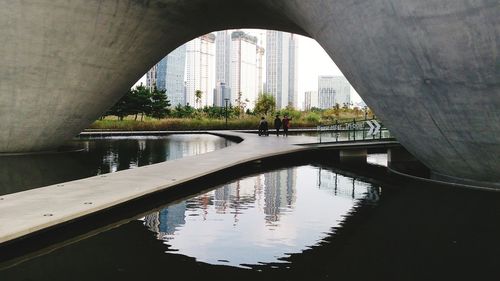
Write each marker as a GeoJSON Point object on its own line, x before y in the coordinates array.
{"type": "Point", "coordinates": [429, 69]}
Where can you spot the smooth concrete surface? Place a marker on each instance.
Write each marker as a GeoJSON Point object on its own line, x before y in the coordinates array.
{"type": "Point", "coordinates": [399, 155]}
{"type": "Point", "coordinates": [29, 211]}
{"type": "Point", "coordinates": [399, 159]}
{"type": "Point", "coordinates": [429, 69]}
{"type": "Point", "coordinates": [353, 155]}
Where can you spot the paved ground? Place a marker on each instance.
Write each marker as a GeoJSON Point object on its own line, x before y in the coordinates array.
{"type": "Point", "coordinates": [29, 211]}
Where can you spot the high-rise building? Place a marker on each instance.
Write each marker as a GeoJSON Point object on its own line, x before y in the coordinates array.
{"type": "Point", "coordinates": [310, 100]}
{"type": "Point", "coordinates": [151, 77]}
{"type": "Point", "coordinates": [333, 90]}
{"type": "Point", "coordinates": [260, 68]}
{"type": "Point", "coordinates": [222, 89]}
{"type": "Point", "coordinates": [281, 67]}
{"type": "Point", "coordinates": [170, 75]}
{"type": "Point", "coordinates": [200, 70]}
{"type": "Point", "coordinates": [293, 71]}
{"type": "Point", "coordinates": [244, 80]}
{"type": "Point", "coordinates": [221, 94]}
{"type": "Point", "coordinates": [223, 57]}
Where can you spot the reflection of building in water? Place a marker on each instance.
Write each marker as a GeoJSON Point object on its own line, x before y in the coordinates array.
{"type": "Point", "coordinates": [166, 221]}
{"type": "Point", "coordinates": [341, 186]}
{"type": "Point", "coordinates": [280, 192]}
{"type": "Point", "coordinates": [181, 146]}
{"type": "Point", "coordinates": [235, 196]}
{"type": "Point", "coordinates": [273, 192]}
{"type": "Point", "coordinates": [222, 196]}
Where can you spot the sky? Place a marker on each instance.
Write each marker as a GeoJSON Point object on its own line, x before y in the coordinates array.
{"type": "Point", "coordinates": [313, 61]}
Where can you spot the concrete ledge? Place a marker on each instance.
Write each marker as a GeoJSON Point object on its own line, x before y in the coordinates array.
{"type": "Point", "coordinates": [476, 185]}
{"type": "Point", "coordinates": [464, 182]}
{"type": "Point", "coordinates": [34, 210]}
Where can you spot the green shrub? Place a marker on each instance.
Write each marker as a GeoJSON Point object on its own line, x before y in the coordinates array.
{"type": "Point", "coordinates": [312, 117]}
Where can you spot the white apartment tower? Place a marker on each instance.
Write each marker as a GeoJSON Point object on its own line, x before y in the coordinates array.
{"type": "Point", "coordinates": [333, 90]}
{"type": "Point", "coordinates": [281, 67]}
{"type": "Point", "coordinates": [200, 70]}
{"type": "Point", "coordinates": [244, 69]}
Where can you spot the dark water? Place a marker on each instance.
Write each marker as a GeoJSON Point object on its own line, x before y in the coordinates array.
{"type": "Point", "coordinates": [99, 156]}
{"type": "Point", "coordinates": [317, 221]}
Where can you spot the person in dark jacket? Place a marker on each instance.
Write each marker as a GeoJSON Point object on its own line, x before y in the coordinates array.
{"type": "Point", "coordinates": [277, 125]}
{"type": "Point", "coordinates": [286, 125]}
{"type": "Point", "coordinates": [263, 127]}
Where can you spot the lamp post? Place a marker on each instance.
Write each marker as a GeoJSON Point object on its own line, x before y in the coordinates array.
{"type": "Point", "coordinates": [226, 101]}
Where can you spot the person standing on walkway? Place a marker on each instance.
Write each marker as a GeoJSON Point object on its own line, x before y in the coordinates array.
{"type": "Point", "coordinates": [277, 125]}
{"type": "Point", "coordinates": [286, 125]}
{"type": "Point", "coordinates": [263, 127]}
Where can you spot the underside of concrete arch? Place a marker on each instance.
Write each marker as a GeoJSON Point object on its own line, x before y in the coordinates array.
{"type": "Point", "coordinates": [429, 69]}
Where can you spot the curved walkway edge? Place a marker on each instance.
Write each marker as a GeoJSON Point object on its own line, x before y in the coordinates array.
{"type": "Point", "coordinates": [30, 211]}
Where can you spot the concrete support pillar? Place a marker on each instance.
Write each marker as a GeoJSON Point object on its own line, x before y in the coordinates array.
{"type": "Point", "coordinates": [398, 158]}
{"type": "Point", "coordinates": [353, 155]}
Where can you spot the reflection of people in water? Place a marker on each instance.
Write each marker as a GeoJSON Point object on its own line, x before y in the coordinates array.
{"type": "Point", "coordinates": [263, 127]}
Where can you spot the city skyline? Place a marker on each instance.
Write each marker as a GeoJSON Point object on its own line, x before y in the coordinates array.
{"type": "Point", "coordinates": [312, 61]}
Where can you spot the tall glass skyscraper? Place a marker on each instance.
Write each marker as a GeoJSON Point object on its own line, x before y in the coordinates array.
{"type": "Point", "coordinates": [281, 67]}
{"type": "Point", "coordinates": [168, 75]}
{"type": "Point", "coordinates": [223, 56]}
{"type": "Point", "coordinates": [222, 89]}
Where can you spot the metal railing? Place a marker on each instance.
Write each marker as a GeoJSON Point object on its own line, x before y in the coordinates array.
{"type": "Point", "coordinates": [366, 129]}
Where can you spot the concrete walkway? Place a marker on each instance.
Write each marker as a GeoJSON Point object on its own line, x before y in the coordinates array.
{"type": "Point", "coordinates": [29, 211]}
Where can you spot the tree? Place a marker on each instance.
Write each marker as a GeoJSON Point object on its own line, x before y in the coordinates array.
{"type": "Point", "coordinates": [316, 109]}
{"type": "Point", "coordinates": [122, 106]}
{"type": "Point", "coordinates": [141, 101]}
{"type": "Point", "coordinates": [198, 94]}
{"type": "Point", "coordinates": [265, 104]}
{"type": "Point", "coordinates": [135, 101]}
{"type": "Point", "coordinates": [186, 111]}
{"type": "Point", "coordinates": [313, 117]}
{"type": "Point", "coordinates": [336, 110]}
{"type": "Point", "coordinates": [159, 104]}
{"type": "Point", "coordinates": [240, 104]}
{"type": "Point", "coordinates": [290, 112]}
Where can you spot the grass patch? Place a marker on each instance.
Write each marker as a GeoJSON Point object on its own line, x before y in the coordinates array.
{"type": "Point", "coordinates": [249, 122]}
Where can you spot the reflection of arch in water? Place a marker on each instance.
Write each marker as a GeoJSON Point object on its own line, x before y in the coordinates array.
{"type": "Point", "coordinates": [257, 214]}
{"type": "Point", "coordinates": [275, 190]}
{"type": "Point", "coordinates": [430, 75]}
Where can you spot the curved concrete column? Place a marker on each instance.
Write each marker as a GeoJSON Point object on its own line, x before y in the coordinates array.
{"type": "Point", "coordinates": [64, 63]}
{"type": "Point", "coordinates": [429, 69]}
